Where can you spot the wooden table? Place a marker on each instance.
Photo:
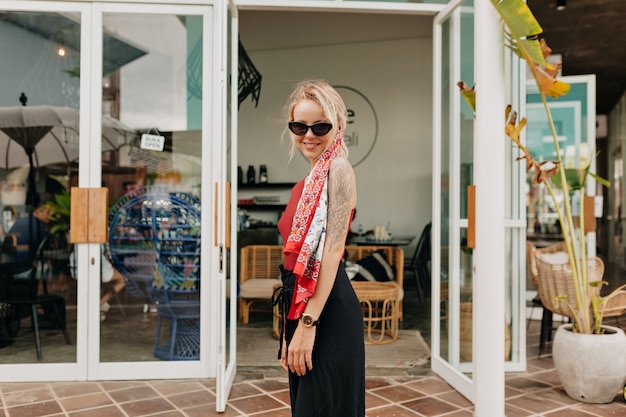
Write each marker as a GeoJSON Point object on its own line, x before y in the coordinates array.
{"type": "Point", "coordinates": [394, 241]}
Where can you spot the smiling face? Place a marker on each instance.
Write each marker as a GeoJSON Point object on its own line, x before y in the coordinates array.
{"type": "Point", "coordinates": [309, 112]}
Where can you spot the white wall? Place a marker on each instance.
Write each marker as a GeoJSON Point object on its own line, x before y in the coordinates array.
{"type": "Point", "coordinates": [394, 182]}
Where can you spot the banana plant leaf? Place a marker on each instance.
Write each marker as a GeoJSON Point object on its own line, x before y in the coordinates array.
{"type": "Point", "coordinates": [523, 39]}
{"type": "Point", "coordinates": [577, 178]}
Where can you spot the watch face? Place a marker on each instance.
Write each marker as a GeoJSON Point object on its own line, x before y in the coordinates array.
{"type": "Point", "coordinates": [307, 320]}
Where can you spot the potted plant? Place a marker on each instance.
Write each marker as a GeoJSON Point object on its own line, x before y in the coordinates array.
{"type": "Point", "coordinates": [583, 343]}
{"type": "Point", "coordinates": [60, 213]}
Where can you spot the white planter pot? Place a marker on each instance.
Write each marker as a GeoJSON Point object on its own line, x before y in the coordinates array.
{"type": "Point", "coordinates": [591, 367]}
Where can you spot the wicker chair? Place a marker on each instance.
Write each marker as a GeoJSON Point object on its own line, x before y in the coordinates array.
{"type": "Point", "coordinates": [532, 252]}
{"type": "Point", "coordinates": [614, 304]}
{"type": "Point", "coordinates": [395, 256]}
{"type": "Point", "coordinates": [546, 318]}
{"type": "Point", "coordinates": [258, 274]}
{"type": "Point", "coordinates": [381, 302]}
{"type": "Point", "coordinates": [555, 281]}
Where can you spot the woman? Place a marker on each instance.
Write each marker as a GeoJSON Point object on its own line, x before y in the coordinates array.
{"type": "Point", "coordinates": [322, 347]}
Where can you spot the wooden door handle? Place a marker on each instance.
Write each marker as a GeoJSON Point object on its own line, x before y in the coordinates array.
{"type": "Point", "coordinates": [471, 216]}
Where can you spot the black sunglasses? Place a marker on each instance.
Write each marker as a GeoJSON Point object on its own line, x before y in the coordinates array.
{"type": "Point", "coordinates": [318, 129]}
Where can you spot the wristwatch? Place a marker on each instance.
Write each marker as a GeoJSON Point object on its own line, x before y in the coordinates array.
{"type": "Point", "coordinates": [307, 320]}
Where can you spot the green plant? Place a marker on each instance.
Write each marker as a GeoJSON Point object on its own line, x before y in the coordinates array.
{"type": "Point", "coordinates": [522, 37]}
{"type": "Point", "coordinates": [60, 212]}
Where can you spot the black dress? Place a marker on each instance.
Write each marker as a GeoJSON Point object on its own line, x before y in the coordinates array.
{"type": "Point", "coordinates": [336, 385]}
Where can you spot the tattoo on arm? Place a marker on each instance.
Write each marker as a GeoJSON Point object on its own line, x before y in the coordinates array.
{"type": "Point", "coordinates": [340, 192]}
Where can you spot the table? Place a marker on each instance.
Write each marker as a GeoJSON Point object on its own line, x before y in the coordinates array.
{"type": "Point", "coordinates": [380, 302]}
{"type": "Point", "coordinates": [394, 241]}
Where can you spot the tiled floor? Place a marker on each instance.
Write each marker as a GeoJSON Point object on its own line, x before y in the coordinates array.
{"type": "Point", "coordinates": [409, 392]}
{"type": "Point", "coordinates": [263, 392]}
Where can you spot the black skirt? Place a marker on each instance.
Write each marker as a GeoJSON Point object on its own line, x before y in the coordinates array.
{"type": "Point", "coordinates": [336, 385]}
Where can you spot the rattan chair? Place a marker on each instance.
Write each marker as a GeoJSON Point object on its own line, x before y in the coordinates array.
{"type": "Point", "coordinates": [395, 257]}
{"type": "Point", "coordinates": [264, 260]}
{"type": "Point", "coordinates": [555, 282]}
{"type": "Point", "coordinates": [258, 274]}
{"type": "Point", "coordinates": [532, 252]}
{"type": "Point", "coordinates": [546, 317]}
{"type": "Point", "coordinates": [614, 305]}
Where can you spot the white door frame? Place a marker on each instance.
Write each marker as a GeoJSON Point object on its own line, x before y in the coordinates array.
{"type": "Point", "coordinates": [227, 349]}
{"type": "Point", "coordinates": [205, 367]}
{"type": "Point", "coordinates": [77, 370]}
{"type": "Point", "coordinates": [449, 370]}
{"type": "Point", "coordinates": [87, 343]}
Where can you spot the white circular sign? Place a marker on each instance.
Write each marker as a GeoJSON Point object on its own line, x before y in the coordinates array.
{"type": "Point", "coordinates": [362, 127]}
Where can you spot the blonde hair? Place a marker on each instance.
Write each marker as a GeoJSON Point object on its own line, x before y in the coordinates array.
{"type": "Point", "coordinates": [329, 100]}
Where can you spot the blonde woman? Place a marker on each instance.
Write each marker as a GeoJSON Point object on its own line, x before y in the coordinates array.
{"type": "Point", "coordinates": [322, 345]}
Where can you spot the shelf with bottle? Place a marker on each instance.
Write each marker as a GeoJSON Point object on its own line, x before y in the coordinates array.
{"type": "Point", "coordinates": [264, 196]}
{"type": "Point", "coordinates": [267, 186]}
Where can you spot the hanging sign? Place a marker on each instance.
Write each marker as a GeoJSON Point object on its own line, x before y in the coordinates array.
{"type": "Point", "coordinates": [152, 142]}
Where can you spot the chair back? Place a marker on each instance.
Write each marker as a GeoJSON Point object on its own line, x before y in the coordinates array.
{"type": "Point", "coordinates": [614, 304]}
{"type": "Point", "coordinates": [555, 284]}
{"type": "Point", "coordinates": [260, 262]}
{"type": "Point", "coordinates": [154, 241]}
{"type": "Point", "coordinates": [394, 254]}
{"type": "Point", "coordinates": [531, 254]}
{"type": "Point", "coordinates": [422, 253]}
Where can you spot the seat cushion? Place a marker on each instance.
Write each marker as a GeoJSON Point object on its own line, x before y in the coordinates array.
{"type": "Point", "coordinates": [258, 288]}
{"type": "Point", "coordinates": [375, 267]}
{"type": "Point", "coordinates": [556, 258]}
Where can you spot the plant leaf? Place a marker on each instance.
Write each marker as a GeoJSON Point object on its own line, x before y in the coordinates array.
{"type": "Point", "coordinates": [547, 83]}
{"type": "Point", "coordinates": [522, 23]}
{"type": "Point", "coordinates": [575, 179]}
{"type": "Point", "coordinates": [544, 170]}
{"type": "Point", "coordinates": [523, 40]}
{"type": "Point", "coordinates": [601, 180]}
{"type": "Point", "coordinates": [469, 94]}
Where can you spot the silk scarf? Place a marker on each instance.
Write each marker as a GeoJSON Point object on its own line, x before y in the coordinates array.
{"type": "Point", "coordinates": [308, 229]}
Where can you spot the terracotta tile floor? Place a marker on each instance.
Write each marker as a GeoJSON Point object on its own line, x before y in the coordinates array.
{"type": "Point", "coordinates": [411, 392]}
{"type": "Point", "coordinates": [263, 392]}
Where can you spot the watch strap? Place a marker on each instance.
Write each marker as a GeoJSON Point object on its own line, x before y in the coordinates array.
{"type": "Point", "coordinates": [309, 317]}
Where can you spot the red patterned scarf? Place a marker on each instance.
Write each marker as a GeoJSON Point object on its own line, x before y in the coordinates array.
{"type": "Point", "coordinates": [308, 229]}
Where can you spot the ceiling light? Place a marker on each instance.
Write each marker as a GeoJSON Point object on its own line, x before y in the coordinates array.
{"type": "Point", "coordinates": [561, 4]}
{"type": "Point", "coordinates": [61, 51]}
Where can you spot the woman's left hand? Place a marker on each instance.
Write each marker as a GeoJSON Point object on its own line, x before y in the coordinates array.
{"type": "Point", "coordinates": [300, 353]}
{"type": "Point", "coordinates": [283, 355]}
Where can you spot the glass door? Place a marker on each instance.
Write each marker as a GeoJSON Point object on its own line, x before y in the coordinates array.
{"type": "Point", "coordinates": [454, 262]}
{"type": "Point", "coordinates": [160, 164]}
{"type": "Point", "coordinates": [451, 323]}
{"type": "Point", "coordinates": [227, 350]}
{"type": "Point", "coordinates": [39, 153]}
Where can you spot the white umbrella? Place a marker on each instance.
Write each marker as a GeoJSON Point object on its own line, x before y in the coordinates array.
{"type": "Point", "coordinates": [50, 135]}
{"type": "Point", "coordinates": [42, 135]}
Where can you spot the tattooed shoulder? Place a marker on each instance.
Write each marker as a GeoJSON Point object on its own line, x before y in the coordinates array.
{"type": "Point", "coordinates": [341, 200]}
{"type": "Point", "coordinates": [341, 180]}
